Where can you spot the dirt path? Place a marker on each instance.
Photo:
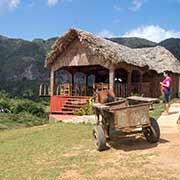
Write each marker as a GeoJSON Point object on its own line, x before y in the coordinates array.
{"type": "Point", "coordinates": [154, 161]}
{"type": "Point", "coordinates": [169, 148]}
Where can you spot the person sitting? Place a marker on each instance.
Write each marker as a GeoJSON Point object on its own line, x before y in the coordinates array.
{"type": "Point", "coordinates": [105, 96]}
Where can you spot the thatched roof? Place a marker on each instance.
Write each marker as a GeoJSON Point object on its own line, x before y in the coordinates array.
{"type": "Point", "coordinates": [156, 58]}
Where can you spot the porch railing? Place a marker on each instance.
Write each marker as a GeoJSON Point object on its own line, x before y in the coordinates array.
{"type": "Point", "coordinates": [124, 89]}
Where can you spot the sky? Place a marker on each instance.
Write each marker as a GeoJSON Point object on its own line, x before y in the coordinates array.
{"type": "Point", "coordinates": [154, 20]}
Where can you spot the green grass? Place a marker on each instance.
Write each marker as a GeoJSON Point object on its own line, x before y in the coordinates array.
{"type": "Point", "coordinates": [66, 151]}
{"type": "Point", "coordinates": [24, 112]}
{"type": "Point", "coordinates": [158, 109]}
{"type": "Point", "coordinates": [13, 121]}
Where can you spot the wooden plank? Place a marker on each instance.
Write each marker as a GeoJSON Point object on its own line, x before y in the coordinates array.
{"type": "Point", "coordinates": [145, 99]}
{"type": "Point", "coordinates": [132, 117]}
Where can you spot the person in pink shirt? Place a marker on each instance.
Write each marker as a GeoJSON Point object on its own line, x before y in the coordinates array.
{"type": "Point", "coordinates": [166, 88]}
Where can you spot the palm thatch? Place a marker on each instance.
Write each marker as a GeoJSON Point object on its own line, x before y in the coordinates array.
{"type": "Point", "coordinates": [156, 58]}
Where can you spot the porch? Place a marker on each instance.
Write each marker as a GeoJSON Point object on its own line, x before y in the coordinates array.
{"type": "Point", "coordinates": [86, 80]}
{"type": "Point", "coordinates": [72, 86]}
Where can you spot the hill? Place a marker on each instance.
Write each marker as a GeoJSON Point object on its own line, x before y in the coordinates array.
{"type": "Point", "coordinates": [134, 42]}
{"type": "Point", "coordinates": [22, 61]}
{"type": "Point", "coordinates": [173, 45]}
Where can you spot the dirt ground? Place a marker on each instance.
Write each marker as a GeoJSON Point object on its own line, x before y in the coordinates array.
{"type": "Point", "coordinates": [131, 157]}
{"type": "Point", "coordinates": [156, 161]}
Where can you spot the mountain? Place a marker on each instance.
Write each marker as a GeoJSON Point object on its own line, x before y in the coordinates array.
{"type": "Point", "coordinates": [173, 45]}
{"type": "Point", "coordinates": [22, 59]}
{"type": "Point", "coordinates": [22, 62]}
{"type": "Point", "coordinates": [134, 42]}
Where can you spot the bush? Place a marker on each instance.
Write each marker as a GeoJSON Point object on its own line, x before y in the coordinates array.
{"type": "Point", "coordinates": [35, 110]}
{"type": "Point", "coordinates": [4, 104]}
{"type": "Point", "coordinates": [24, 119]}
{"type": "Point", "coordinates": [4, 94]}
{"type": "Point", "coordinates": [86, 110]}
{"type": "Point", "coordinates": [23, 112]}
{"type": "Point", "coordinates": [30, 107]}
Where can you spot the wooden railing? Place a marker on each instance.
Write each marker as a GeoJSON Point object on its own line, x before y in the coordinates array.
{"type": "Point", "coordinates": [44, 90]}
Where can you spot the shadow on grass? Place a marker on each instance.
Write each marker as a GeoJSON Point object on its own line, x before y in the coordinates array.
{"type": "Point", "coordinates": [132, 142]}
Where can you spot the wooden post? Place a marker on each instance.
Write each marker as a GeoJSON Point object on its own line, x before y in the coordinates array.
{"type": "Point", "coordinates": [129, 77]}
{"type": "Point", "coordinates": [141, 82]}
{"type": "Point", "coordinates": [129, 83]}
{"type": "Point", "coordinates": [73, 93]}
{"type": "Point", "coordinates": [179, 86]}
{"type": "Point", "coordinates": [86, 84]}
{"type": "Point", "coordinates": [52, 82]}
{"type": "Point", "coordinates": [111, 78]}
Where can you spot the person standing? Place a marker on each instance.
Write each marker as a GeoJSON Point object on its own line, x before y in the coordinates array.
{"type": "Point", "coordinates": [166, 88]}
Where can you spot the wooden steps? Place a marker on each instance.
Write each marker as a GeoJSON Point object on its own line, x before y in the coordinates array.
{"type": "Point", "coordinates": [73, 104]}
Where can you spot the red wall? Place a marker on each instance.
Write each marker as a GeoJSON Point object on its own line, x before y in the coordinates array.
{"type": "Point", "coordinates": [57, 103]}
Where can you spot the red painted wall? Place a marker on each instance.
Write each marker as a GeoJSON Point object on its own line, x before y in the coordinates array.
{"type": "Point", "coordinates": [57, 103]}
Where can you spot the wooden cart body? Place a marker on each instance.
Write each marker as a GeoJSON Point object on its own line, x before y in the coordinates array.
{"type": "Point", "coordinates": [125, 116]}
{"type": "Point", "coordinates": [122, 115]}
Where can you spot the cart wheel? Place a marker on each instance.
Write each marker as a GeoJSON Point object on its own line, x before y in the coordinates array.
{"type": "Point", "coordinates": [100, 139]}
{"type": "Point", "coordinates": [152, 133]}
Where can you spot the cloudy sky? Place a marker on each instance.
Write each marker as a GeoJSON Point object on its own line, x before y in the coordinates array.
{"type": "Point", "coordinates": [155, 20]}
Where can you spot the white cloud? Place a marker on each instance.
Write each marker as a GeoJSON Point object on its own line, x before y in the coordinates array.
{"type": "Point", "coordinates": [54, 2]}
{"type": "Point", "coordinates": [153, 33]}
{"type": "Point", "coordinates": [137, 4]}
{"type": "Point", "coordinates": [13, 3]}
{"type": "Point", "coordinates": [8, 4]}
{"type": "Point", "coordinates": [106, 33]}
{"type": "Point", "coordinates": [117, 8]}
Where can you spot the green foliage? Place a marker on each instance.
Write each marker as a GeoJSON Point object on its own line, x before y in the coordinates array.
{"type": "Point", "coordinates": [30, 107]}
{"type": "Point", "coordinates": [86, 110]}
{"type": "Point", "coordinates": [24, 119]}
{"type": "Point", "coordinates": [4, 104]}
{"type": "Point", "coordinates": [25, 88]}
{"type": "Point", "coordinates": [24, 112]}
{"type": "Point", "coordinates": [158, 109]}
{"type": "Point", "coordinates": [4, 94]}
{"type": "Point", "coordinates": [28, 93]}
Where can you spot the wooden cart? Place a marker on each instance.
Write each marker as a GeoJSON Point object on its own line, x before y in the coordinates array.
{"type": "Point", "coordinates": [123, 115]}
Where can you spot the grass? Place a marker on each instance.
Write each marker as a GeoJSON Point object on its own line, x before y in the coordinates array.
{"type": "Point", "coordinates": [13, 121]}
{"type": "Point", "coordinates": [158, 109]}
{"type": "Point", "coordinates": [23, 112]}
{"type": "Point", "coordinates": [66, 151]}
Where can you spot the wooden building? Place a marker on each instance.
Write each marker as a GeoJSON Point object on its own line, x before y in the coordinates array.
{"type": "Point", "coordinates": [90, 62]}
